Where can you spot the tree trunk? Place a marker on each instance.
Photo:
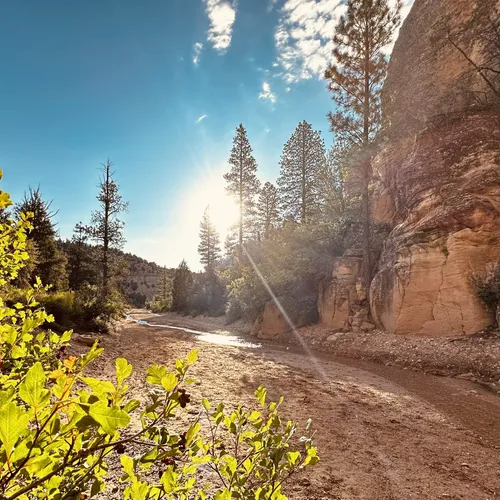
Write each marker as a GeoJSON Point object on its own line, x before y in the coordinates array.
{"type": "Point", "coordinates": [105, 264]}
{"type": "Point", "coordinates": [240, 249]}
{"type": "Point", "coordinates": [365, 194]}
{"type": "Point", "coordinates": [303, 215]}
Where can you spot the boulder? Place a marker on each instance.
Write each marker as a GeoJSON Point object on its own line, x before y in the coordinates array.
{"type": "Point", "coordinates": [274, 325]}
{"type": "Point", "coordinates": [437, 176]}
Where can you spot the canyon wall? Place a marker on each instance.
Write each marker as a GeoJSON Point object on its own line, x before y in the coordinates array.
{"type": "Point", "coordinates": [437, 174]}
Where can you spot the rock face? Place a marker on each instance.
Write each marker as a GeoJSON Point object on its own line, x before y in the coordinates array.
{"type": "Point", "coordinates": [340, 301]}
{"type": "Point", "coordinates": [274, 325]}
{"type": "Point", "coordinates": [438, 181]}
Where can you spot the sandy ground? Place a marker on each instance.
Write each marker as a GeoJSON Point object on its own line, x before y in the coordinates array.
{"type": "Point", "coordinates": [474, 357]}
{"type": "Point", "coordinates": [383, 433]}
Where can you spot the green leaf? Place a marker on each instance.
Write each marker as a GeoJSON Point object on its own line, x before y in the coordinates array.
{"type": "Point", "coordinates": [18, 352]}
{"type": "Point", "coordinates": [128, 466]}
{"type": "Point", "coordinates": [192, 357]}
{"type": "Point", "coordinates": [123, 370]}
{"type": "Point", "coordinates": [13, 424]}
{"type": "Point", "coordinates": [132, 405]}
{"type": "Point", "coordinates": [32, 389]}
{"type": "Point", "coordinates": [206, 403]}
{"type": "Point", "coordinates": [293, 458]}
{"type": "Point", "coordinates": [99, 386]}
{"type": "Point", "coordinates": [192, 432]}
{"type": "Point", "coordinates": [169, 381]}
{"type": "Point", "coordinates": [224, 494]}
{"type": "Point", "coordinates": [261, 394]}
{"type": "Point", "coordinates": [169, 480]}
{"type": "Point", "coordinates": [231, 463]}
{"type": "Point", "coordinates": [110, 419]}
{"type": "Point", "coordinates": [155, 373]}
{"type": "Point", "coordinates": [66, 336]}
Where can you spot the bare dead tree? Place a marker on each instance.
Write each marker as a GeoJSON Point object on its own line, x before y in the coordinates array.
{"type": "Point", "coordinates": [488, 69]}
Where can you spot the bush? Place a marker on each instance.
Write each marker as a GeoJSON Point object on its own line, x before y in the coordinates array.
{"type": "Point", "coordinates": [234, 311]}
{"type": "Point", "coordinates": [94, 311]}
{"type": "Point", "coordinates": [488, 287]}
{"type": "Point", "coordinates": [292, 264]}
{"type": "Point", "coordinates": [158, 305]}
{"type": "Point", "coordinates": [84, 309]}
{"type": "Point", "coordinates": [208, 295]}
{"type": "Point", "coordinates": [60, 305]}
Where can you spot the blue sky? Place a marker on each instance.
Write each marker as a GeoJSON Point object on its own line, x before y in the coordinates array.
{"type": "Point", "coordinates": [159, 86]}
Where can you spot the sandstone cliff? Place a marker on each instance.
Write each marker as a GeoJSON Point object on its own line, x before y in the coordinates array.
{"type": "Point", "coordinates": [437, 175]}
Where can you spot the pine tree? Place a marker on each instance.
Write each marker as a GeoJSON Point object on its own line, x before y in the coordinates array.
{"type": "Point", "coordinates": [355, 81]}
{"type": "Point", "coordinates": [105, 228]}
{"type": "Point", "coordinates": [242, 183]}
{"type": "Point", "coordinates": [302, 159]}
{"type": "Point", "coordinates": [81, 259]}
{"type": "Point", "coordinates": [267, 210]}
{"type": "Point", "coordinates": [209, 247]}
{"type": "Point", "coordinates": [231, 243]}
{"type": "Point", "coordinates": [183, 281]}
{"type": "Point", "coordinates": [332, 185]}
{"type": "Point", "coordinates": [50, 261]}
{"type": "Point", "coordinates": [164, 289]}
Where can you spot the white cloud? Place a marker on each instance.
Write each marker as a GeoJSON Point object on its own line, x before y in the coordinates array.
{"type": "Point", "coordinates": [197, 48]}
{"type": "Point", "coordinates": [287, 89]}
{"type": "Point", "coordinates": [271, 5]}
{"type": "Point", "coordinates": [304, 34]}
{"type": "Point", "coordinates": [267, 93]}
{"type": "Point", "coordinates": [267, 130]}
{"type": "Point", "coordinates": [201, 118]}
{"type": "Point", "coordinates": [221, 14]}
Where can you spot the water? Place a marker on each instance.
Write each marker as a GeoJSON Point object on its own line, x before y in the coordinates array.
{"type": "Point", "coordinates": [212, 338]}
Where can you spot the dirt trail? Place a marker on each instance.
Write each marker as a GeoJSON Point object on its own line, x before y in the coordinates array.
{"type": "Point", "coordinates": [383, 433]}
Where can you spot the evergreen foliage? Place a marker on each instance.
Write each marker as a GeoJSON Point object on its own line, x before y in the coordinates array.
{"type": "Point", "coordinates": [105, 227]}
{"type": "Point", "coordinates": [301, 162]}
{"type": "Point", "coordinates": [50, 263]}
{"type": "Point", "coordinates": [268, 217]}
{"type": "Point", "coordinates": [82, 259]}
{"type": "Point", "coordinates": [355, 81]}
{"type": "Point", "coordinates": [242, 182]}
{"type": "Point", "coordinates": [209, 247]}
{"type": "Point", "coordinates": [182, 284]}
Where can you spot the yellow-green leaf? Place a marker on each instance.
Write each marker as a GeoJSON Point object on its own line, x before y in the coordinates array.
{"type": "Point", "coordinates": [110, 419]}
{"type": "Point", "coordinates": [13, 424]}
{"type": "Point", "coordinates": [123, 370]}
{"type": "Point", "coordinates": [32, 389]}
{"type": "Point", "coordinates": [169, 381]}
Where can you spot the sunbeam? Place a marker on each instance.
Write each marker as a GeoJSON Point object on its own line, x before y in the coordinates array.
{"type": "Point", "coordinates": [308, 351]}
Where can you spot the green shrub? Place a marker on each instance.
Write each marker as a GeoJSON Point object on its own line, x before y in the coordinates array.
{"type": "Point", "coordinates": [60, 305]}
{"type": "Point", "coordinates": [84, 309]}
{"type": "Point", "coordinates": [208, 295]}
{"type": "Point", "coordinates": [488, 287]}
{"type": "Point", "coordinates": [159, 305]}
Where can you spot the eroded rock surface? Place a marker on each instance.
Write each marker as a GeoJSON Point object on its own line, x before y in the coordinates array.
{"type": "Point", "coordinates": [340, 301]}
{"type": "Point", "coordinates": [438, 176]}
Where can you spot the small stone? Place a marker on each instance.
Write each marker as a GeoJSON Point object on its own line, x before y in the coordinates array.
{"type": "Point", "coordinates": [367, 327]}
{"type": "Point", "coordinates": [335, 336]}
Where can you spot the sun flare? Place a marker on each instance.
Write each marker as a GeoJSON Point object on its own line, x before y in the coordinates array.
{"type": "Point", "coordinates": [223, 209]}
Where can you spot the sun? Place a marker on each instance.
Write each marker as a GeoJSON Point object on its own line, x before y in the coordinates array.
{"type": "Point", "coordinates": [223, 209]}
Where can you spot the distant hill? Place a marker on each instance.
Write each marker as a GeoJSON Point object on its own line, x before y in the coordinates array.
{"type": "Point", "coordinates": [138, 278]}
{"type": "Point", "coordinates": [142, 280]}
